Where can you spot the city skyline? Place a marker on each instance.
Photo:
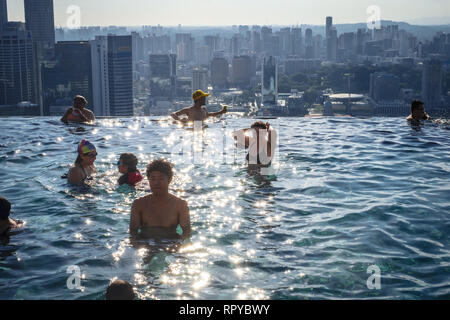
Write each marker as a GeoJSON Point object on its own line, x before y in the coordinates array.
{"type": "Point", "coordinates": [200, 13]}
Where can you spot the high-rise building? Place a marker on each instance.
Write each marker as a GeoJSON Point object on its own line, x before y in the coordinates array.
{"type": "Point", "coordinates": [184, 43]}
{"type": "Point", "coordinates": [39, 19]}
{"type": "Point", "coordinates": [219, 72]}
{"type": "Point", "coordinates": [70, 74]}
{"type": "Point", "coordinates": [200, 80]}
{"type": "Point", "coordinates": [329, 25]}
{"type": "Point", "coordinates": [112, 75]}
{"type": "Point", "coordinates": [296, 41]}
{"type": "Point", "coordinates": [432, 82]}
{"type": "Point", "coordinates": [100, 76]}
{"type": "Point", "coordinates": [163, 76]}
{"type": "Point", "coordinates": [269, 88]}
{"type": "Point", "coordinates": [241, 71]}
{"type": "Point", "coordinates": [120, 69]}
{"type": "Point", "coordinates": [18, 81]}
{"type": "Point", "coordinates": [309, 46]}
{"type": "Point", "coordinates": [3, 14]}
{"type": "Point", "coordinates": [332, 45]}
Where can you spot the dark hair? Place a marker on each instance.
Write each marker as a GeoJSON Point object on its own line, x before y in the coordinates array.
{"type": "Point", "coordinates": [162, 166]}
{"type": "Point", "coordinates": [129, 160]}
{"type": "Point", "coordinates": [79, 160]}
{"type": "Point", "coordinates": [5, 208]}
{"type": "Point", "coordinates": [120, 290]}
{"type": "Point", "coordinates": [416, 104]}
{"type": "Point", "coordinates": [79, 99]}
{"type": "Point", "coordinates": [258, 124]}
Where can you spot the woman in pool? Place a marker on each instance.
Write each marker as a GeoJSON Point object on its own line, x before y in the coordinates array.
{"type": "Point", "coordinates": [83, 167]}
{"type": "Point", "coordinates": [127, 166]}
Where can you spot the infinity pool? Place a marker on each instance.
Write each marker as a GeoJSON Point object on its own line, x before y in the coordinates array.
{"type": "Point", "coordinates": [346, 195]}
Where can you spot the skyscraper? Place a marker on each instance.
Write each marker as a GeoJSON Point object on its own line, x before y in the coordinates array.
{"type": "Point", "coordinates": [112, 75]}
{"type": "Point", "coordinates": [269, 81]}
{"type": "Point", "coordinates": [18, 80]}
{"type": "Point", "coordinates": [241, 71]}
{"type": "Point", "coordinates": [3, 13]}
{"type": "Point", "coordinates": [329, 25]}
{"type": "Point", "coordinates": [200, 79]}
{"type": "Point", "coordinates": [432, 82]}
{"type": "Point", "coordinates": [40, 20]}
{"type": "Point", "coordinates": [120, 73]}
{"type": "Point", "coordinates": [219, 72]}
{"type": "Point", "coordinates": [163, 75]}
{"type": "Point", "coordinates": [332, 45]}
{"type": "Point", "coordinates": [69, 75]}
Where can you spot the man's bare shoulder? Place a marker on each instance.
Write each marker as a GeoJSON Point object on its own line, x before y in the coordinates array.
{"type": "Point", "coordinates": [179, 202]}
{"type": "Point", "coordinates": [142, 200]}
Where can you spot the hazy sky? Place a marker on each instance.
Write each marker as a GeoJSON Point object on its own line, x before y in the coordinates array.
{"type": "Point", "coordinates": [235, 12]}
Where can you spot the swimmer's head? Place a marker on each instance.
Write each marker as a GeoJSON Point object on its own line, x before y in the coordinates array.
{"type": "Point", "coordinates": [127, 163]}
{"type": "Point", "coordinates": [86, 152]}
{"type": "Point", "coordinates": [5, 208]}
{"type": "Point", "coordinates": [120, 290]}
{"type": "Point", "coordinates": [417, 109]}
{"type": "Point", "coordinates": [159, 174]}
{"type": "Point", "coordinates": [79, 102]}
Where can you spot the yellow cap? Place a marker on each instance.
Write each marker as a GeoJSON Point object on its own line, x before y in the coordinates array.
{"type": "Point", "coordinates": [199, 94]}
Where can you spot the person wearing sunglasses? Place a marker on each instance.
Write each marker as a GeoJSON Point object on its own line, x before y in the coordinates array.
{"type": "Point", "coordinates": [84, 167]}
{"type": "Point", "coordinates": [127, 166]}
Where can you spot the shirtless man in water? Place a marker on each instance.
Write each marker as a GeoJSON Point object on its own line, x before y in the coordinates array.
{"type": "Point", "coordinates": [78, 113]}
{"type": "Point", "coordinates": [160, 213]}
{"type": "Point", "coordinates": [417, 112]}
{"type": "Point", "coordinates": [197, 112]}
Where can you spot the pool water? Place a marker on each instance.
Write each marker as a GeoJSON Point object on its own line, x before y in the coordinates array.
{"type": "Point", "coordinates": [346, 195]}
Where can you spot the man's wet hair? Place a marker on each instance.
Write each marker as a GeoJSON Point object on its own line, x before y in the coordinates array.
{"type": "Point", "coordinates": [416, 104]}
{"type": "Point", "coordinates": [162, 166]}
{"type": "Point", "coordinates": [5, 208]}
{"type": "Point", "coordinates": [129, 160]}
{"type": "Point", "coordinates": [258, 125]}
{"type": "Point", "coordinates": [120, 290]}
{"type": "Point", "coordinates": [79, 100]}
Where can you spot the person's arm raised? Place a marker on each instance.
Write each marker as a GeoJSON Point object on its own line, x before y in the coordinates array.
{"type": "Point", "coordinates": [176, 115]}
{"type": "Point", "coordinates": [64, 118]}
{"type": "Point", "coordinates": [215, 114]}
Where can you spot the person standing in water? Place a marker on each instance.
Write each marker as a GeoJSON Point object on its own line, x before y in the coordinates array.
{"type": "Point", "coordinates": [417, 112]}
{"type": "Point", "coordinates": [159, 213]}
{"type": "Point", "coordinates": [198, 111]}
{"type": "Point", "coordinates": [83, 167]}
{"type": "Point", "coordinates": [78, 113]}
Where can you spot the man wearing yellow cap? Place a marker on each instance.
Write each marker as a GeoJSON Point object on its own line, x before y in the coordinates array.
{"type": "Point", "coordinates": [197, 112]}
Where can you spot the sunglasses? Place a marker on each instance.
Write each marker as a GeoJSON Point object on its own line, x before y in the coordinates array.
{"type": "Point", "coordinates": [91, 155]}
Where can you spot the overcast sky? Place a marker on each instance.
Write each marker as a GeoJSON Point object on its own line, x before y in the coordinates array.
{"type": "Point", "coordinates": [235, 12]}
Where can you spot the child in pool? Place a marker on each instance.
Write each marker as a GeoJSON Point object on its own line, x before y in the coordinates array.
{"type": "Point", "coordinates": [84, 167]}
{"type": "Point", "coordinates": [6, 223]}
{"type": "Point", "coordinates": [127, 166]}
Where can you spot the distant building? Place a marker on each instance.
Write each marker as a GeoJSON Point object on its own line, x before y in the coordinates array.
{"type": "Point", "coordinates": [3, 14]}
{"type": "Point", "coordinates": [432, 83]}
{"type": "Point", "coordinates": [112, 75]}
{"type": "Point", "coordinates": [184, 43]}
{"type": "Point", "coordinates": [328, 26]}
{"type": "Point", "coordinates": [39, 19]}
{"type": "Point", "coordinates": [332, 45]}
{"type": "Point", "coordinates": [163, 72]}
{"type": "Point", "coordinates": [68, 75]}
{"type": "Point", "coordinates": [200, 80]}
{"type": "Point", "coordinates": [384, 86]}
{"type": "Point", "coordinates": [269, 88]}
{"type": "Point", "coordinates": [241, 71]}
{"type": "Point", "coordinates": [18, 74]}
{"type": "Point", "coordinates": [219, 73]}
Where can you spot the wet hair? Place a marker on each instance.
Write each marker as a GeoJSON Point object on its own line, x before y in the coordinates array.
{"type": "Point", "coordinates": [162, 166]}
{"type": "Point", "coordinates": [79, 160]}
{"type": "Point", "coordinates": [120, 290]}
{"type": "Point", "coordinates": [5, 208]}
{"type": "Point", "coordinates": [415, 105]}
{"type": "Point", "coordinates": [79, 100]}
{"type": "Point", "coordinates": [259, 125]}
{"type": "Point", "coordinates": [129, 160]}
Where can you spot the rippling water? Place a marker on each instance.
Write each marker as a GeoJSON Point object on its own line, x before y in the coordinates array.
{"type": "Point", "coordinates": [346, 194]}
